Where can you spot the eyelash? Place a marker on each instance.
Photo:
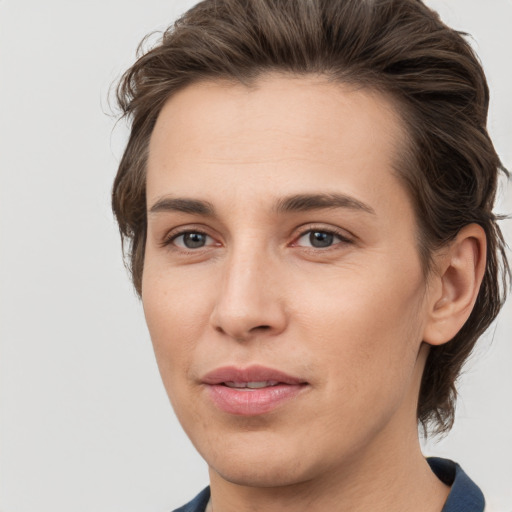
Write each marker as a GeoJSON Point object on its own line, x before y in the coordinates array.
{"type": "Point", "coordinates": [343, 239]}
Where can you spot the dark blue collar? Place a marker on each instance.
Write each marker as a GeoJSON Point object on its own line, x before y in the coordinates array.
{"type": "Point", "coordinates": [465, 496]}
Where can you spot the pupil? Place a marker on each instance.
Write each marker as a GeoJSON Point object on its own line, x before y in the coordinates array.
{"type": "Point", "coordinates": [194, 240]}
{"type": "Point", "coordinates": [321, 239]}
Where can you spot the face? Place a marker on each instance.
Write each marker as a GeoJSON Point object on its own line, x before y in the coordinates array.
{"type": "Point", "coordinates": [282, 285]}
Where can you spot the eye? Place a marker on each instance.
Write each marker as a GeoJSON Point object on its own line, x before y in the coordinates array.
{"type": "Point", "coordinates": [192, 240]}
{"type": "Point", "coordinates": [320, 239]}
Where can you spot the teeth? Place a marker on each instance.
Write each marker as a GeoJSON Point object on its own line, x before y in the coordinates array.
{"type": "Point", "coordinates": [252, 385]}
{"type": "Point", "coordinates": [232, 384]}
{"type": "Point", "coordinates": [264, 384]}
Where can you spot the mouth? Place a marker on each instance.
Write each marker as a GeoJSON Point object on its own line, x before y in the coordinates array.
{"type": "Point", "coordinates": [251, 391]}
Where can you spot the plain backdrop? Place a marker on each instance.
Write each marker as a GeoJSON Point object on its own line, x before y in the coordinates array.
{"type": "Point", "coordinates": [85, 424]}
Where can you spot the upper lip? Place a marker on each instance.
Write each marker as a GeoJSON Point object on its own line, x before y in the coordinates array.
{"type": "Point", "coordinates": [255, 373]}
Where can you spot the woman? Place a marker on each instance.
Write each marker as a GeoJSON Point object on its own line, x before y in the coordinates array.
{"type": "Point", "coordinates": [307, 193]}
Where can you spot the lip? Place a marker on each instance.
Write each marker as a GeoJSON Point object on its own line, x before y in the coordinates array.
{"type": "Point", "coordinates": [251, 402]}
{"type": "Point", "coordinates": [254, 373]}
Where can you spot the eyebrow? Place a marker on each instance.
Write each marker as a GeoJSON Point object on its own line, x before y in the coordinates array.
{"type": "Point", "coordinates": [295, 203]}
{"type": "Point", "coordinates": [306, 202]}
{"type": "Point", "coordinates": [184, 205]}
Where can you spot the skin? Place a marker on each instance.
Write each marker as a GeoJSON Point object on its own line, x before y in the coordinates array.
{"type": "Point", "coordinates": [351, 318]}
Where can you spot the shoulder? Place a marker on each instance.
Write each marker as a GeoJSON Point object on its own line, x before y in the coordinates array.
{"type": "Point", "coordinates": [198, 504]}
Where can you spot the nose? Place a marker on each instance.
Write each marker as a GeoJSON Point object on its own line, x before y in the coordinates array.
{"type": "Point", "coordinates": [250, 300]}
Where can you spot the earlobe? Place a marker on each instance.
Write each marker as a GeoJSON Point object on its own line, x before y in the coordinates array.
{"type": "Point", "coordinates": [460, 270]}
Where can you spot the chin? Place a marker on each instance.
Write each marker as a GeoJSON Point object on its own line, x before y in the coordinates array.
{"type": "Point", "coordinates": [257, 462]}
{"type": "Point", "coordinates": [261, 473]}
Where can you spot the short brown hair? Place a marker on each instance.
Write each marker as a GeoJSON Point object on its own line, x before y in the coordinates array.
{"type": "Point", "coordinates": [399, 47]}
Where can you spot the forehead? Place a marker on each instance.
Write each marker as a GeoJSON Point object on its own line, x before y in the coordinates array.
{"type": "Point", "coordinates": [282, 131]}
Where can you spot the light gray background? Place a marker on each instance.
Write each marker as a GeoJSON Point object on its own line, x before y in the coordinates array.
{"type": "Point", "coordinates": [84, 421]}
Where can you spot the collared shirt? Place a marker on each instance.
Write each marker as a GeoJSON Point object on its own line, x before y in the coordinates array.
{"type": "Point", "coordinates": [465, 495]}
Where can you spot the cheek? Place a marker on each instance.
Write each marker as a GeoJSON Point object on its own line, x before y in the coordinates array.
{"type": "Point", "coordinates": [366, 345]}
{"type": "Point", "coordinates": [176, 315]}
{"type": "Point", "coordinates": [366, 327]}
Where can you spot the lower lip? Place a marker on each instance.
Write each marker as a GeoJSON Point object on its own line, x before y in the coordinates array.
{"type": "Point", "coordinates": [251, 402]}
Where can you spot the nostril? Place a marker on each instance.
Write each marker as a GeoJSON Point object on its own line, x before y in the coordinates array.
{"type": "Point", "coordinates": [261, 328]}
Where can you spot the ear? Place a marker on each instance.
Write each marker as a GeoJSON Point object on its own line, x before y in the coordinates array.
{"type": "Point", "coordinates": [454, 284]}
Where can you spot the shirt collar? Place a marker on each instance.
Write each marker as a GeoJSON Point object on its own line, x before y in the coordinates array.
{"type": "Point", "coordinates": [465, 495]}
